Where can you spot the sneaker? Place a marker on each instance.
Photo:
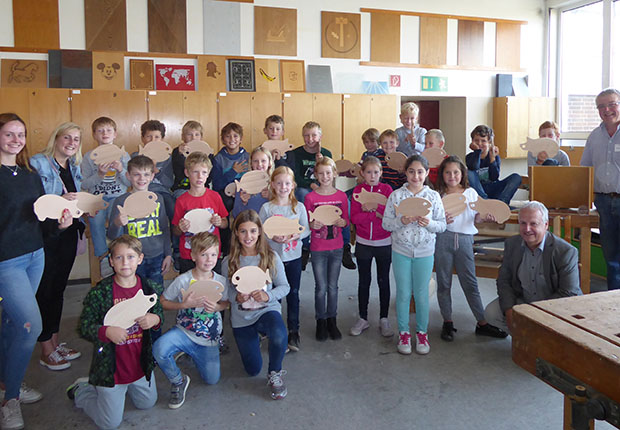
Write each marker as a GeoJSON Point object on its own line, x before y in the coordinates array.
{"type": "Point", "coordinates": [321, 330]}
{"type": "Point", "coordinates": [224, 348]}
{"type": "Point", "coordinates": [404, 342]}
{"type": "Point", "coordinates": [27, 394]}
{"type": "Point", "coordinates": [71, 389]}
{"type": "Point", "coordinates": [54, 361]}
{"type": "Point", "coordinates": [12, 415]}
{"type": "Point", "coordinates": [447, 331]}
{"type": "Point", "coordinates": [490, 330]}
{"type": "Point", "coordinates": [68, 353]}
{"type": "Point", "coordinates": [347, 258]}
{"type": "Point", "coordinates": [332, 329]}
{"type": "Point", "coordinates": [105, 269]}
{"type": "Point", "coordinates": [293, 341]}
{"type": "Point", "coordinates": [275, 382]}
{"type": "Point", "coordinates": [421, 343]}
{"type": "Point", "coordinates": [359, 327]}
{"type": "Point", "coordinates": [177, 393]}
{"type": "Point", "coordinates": [386, 329]}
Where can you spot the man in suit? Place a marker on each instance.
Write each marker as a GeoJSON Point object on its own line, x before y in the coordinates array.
{"type": "Point", "coordinates": [537, 266]}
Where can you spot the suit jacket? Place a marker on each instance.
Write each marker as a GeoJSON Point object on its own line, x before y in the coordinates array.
{"type": "Point", "coordinates": [560, 266]}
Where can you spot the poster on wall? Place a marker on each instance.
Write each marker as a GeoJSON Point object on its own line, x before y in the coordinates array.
{"type": "Point", "coordinates": [24, 73]}
{"type": "Point", "coordinates": [141, 74]}
{"type": "Point", "coordinates": [340, 35]}
{"type": "Point", "coordinates": [292, 74]}
{"type": "Point", "coordinates": [108, 71]}
{"type": "Point", "coordinates": [211, 73]}
{"type": "Point", "coordinates": [241, 75]}
{"type": "Point", "coordinates": [267, 75]}
{"type": "Point", "coordinates": [175, 77]}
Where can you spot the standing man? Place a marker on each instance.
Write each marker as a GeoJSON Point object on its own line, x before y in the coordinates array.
{"type": "Point", "coordinates": [603, 152]}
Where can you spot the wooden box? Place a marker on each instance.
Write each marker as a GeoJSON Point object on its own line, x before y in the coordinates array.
{"type": "Point", "coordinates": [562, 186]}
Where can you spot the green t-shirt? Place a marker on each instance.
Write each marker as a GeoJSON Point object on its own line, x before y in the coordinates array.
{"type": "Point", "coordinates": [304, 165]}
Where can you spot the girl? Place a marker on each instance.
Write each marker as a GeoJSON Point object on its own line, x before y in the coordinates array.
{"type": "Point", "coordinates": [260, 159]}
{"type": "Point", "coordinates": [249, 247]}
{"type": "Point", "coordinates": [283, 203]}
{"type": "Point", "coordinates": [413, 245]}
{"type": "Point", "coordinates": [372, 241]}
{"type": "Point", "coordinates": [455, 247]}
{"type": "Point", "coordinates": [326, 247]}
{"type": "Point", "coordinates": [59, 168]}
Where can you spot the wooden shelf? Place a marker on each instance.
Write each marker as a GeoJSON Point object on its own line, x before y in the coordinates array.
{"type": "Point", "coordinates": [440, 66]}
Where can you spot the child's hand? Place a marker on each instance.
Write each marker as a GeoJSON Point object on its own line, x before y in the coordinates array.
{"type": "Point", "coordinates": [341, 222]}
{"type": "Point", "coordinates": [166, 265]}
{"type": "Point", "coordinates": [407, 219]}
{"type": "Point", "coordinates": [242, 298]}
{"type": "Point", "coordinates": [279, 239]}
{"type": "Point", "coordinates": [314, 186]}
{"type": "Point", "coordinates": [118, 166]}
{"type": "Point", "coordinates": [182, 147]}
{"type": "Point", "coordinates": [422, 221]}
{"type": "Point", "coordinates": [265, 193]}
{"type": "Point", "coordinates": [147, 321]}
{"type": "Point", "coordinates": [65, 220]}
{"type": "Point", "coordinates": [116, 335]}
{"type": "Point", "coordinates": [245, 197]}
{"type": "Point", "coordinates": [260, 296]}
{"type": "Point", "coordinates": [121, 220]}
{"type": "Point", "coordinates": [209, 306]}
{"type": "Point", "coordinates": [293, 237]}
{"type": "Point", "coordinates": [240, 167]}
{"type": "Point", "coordinates": [193, 301]}
{"type": "Point", "coordinates": [103, 169]}
{"type": "Point", "coordinates": [318, 156]}
{"type": "Point", "coordinates": [542, 157]}
{"type": "Point", "coordinates": [276, 155]}
{"type": "Point", "coordinates": [369, 207]}
{"type": "Point", "coordinates": [449, 219]}
{"type": "Point", "coordinates": [473, 146]}
{"type": "Point", "coordinates": [184, 225]}
{"type": "Point", "coordinates": [490, 218]}
{"type": "Point", "coordinates": [216, 220]}
{"type": "Point", "coordinates": [316, 225]}
{"type": "Point", "coordinates": [70, 196]}
{"type": "Point", "coordinates": [495, 151]}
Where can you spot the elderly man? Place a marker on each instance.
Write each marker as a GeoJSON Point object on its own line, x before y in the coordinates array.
{"type": "Point", "coordinates": [537, 266]}
{"type": "Point", "coordinates": [603, 152]}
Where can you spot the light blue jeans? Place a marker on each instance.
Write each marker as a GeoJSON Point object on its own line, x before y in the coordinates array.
{"type": "Point", "coordinates": [98, 230]}
{"type": "Point", "coordinates": [206, 358]}
{"type": "Point", "coordinates": [21, 319]}
{"type": "Point", "coordinates": [412, 275]}
{"type": "Point", "coordinates": [326, 269]}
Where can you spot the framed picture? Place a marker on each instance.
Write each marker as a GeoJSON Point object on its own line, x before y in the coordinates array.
{"type": "Point", "coordinates": [24, 73]}
{"type": "Point", "coordinates": [141, 74]}
{"type": "Point", "coordinates": [275, 31]}
{"type": "Point", "coordinates": [175, 77]}
{"type": "Point", "coordinates": [241, 75]}
{"type": "Point", "coordinates": [340, 35]}
{"type": "Point", "coordinates": [293, 76]}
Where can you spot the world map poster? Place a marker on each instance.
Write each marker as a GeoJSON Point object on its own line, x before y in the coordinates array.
{"type": "Point", "coordinates": [175, 77]}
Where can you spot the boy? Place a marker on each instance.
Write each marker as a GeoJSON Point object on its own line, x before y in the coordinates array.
{"type": "Point", "coordinates": [107, 179]}
{"type": "Point", "coordinates": [394, 178]}
{"type": "Point", "coordinates": [122, 358]}
{"type": "Point", "coordinates": [483, 166]}
{"type": "Point", "coordinates": [198, 324]}
{"type": "Point", "coordinates": [410, 136]}
{"type": "Point", "coordinates": [370, 139]}
{"type": "Point", "coordinates": [197, 168]}
{"type": "Point", "coordinates": [153, 231]}
{"type": "Point", "coordinates": [192, 130]}
{"type": "Point", "coordinates": [274, 130]}
{"type": "Point", "coordinates": [434, 139]}
{"type": "Point", "coordinates": [550, 130]}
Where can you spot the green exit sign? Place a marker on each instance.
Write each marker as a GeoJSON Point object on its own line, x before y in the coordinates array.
{"type": "Point", "coordinates": [434, 83]}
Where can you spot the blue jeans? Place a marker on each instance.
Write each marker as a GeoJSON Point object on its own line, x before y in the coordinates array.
{"type": "Point", "coordinates": [21, 319]}
{"type": "Point", "coordinates": [271, 325]}
{"type": "Point", "coordinates": [98, 230]}
{"type": "Point", "coordinates": [206, 358]}
{"type": "Point", "coordinates": [412, 275]}
{"type": "Point", "coordinates": [608, 209]}
{"type": "Point", "coordinates": [326, 270]}
{"type": "Point", "coordinates": [502, 190]}
{"type": "Point", "coordinates": [300, 195]}
{"type": "Point", "coordinates": [151, 269]}
{"type": "Point", "coordinates": [293, 275]}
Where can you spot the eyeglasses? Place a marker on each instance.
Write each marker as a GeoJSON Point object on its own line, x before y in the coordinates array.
{"type": "Point", "coordinates": [610, 105]}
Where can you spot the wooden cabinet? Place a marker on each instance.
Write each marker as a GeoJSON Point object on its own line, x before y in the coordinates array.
{"type": "Point", "coordinates": [235, 107]}
{"type": "Point", "coordinates": [202, 107]}
{"type": "Point", "coordinates": [327, 111]}
{"type": "Point", "coordinates": [296, 111]}
{"type": "Point", "coordinates": [167, 107]}
{"type": "Point", "coordinates": [262, 106]}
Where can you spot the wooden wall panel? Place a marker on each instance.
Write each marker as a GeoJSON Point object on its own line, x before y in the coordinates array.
{"type": "Point", "coordinates": [355, 120]}
{"type": "Point", "coordinates": [263, 105]}
{"type": "Point", "coordinates": [108, 71]}
{"type": "Point", "coordinates": [167, 26]}
{"type": "Point", "coordinates": [48, 109]}
{"type": "Point", "coordinates": [470, 43]}
{"type": "Point", "coordinates": [275, 31]}
{"type": "Point", "coordinates": [384, 110]}
{"type": "Point", "coordinates": [35, 24]}
{"type": "Point", "coordinates": [433, 40]}
{"type": "Point", "coordinates": [385, 37]}
{"type": "Point", "coordinates": [167, 107]}
{"type": "Point", "coordinates": [297, 110]}
{"type": "Point", "coordinates": [106, 25]}
{"type": "Point", "coordinates": [211, 73]}
{"type": "Point", "coordinates": [24, 73]}
{"type": "Point", "coordinates": [327, 111]}
{"type": "Point", "coordinates": [127, 108]}
{"type": "Point", "coordinates": [267, 73]}
{"type": "Point", "coordinates": [202, 107]}
{"type": "Point", "coordinates": [236, 107]}
{"type": "Point", "coordinates": [16, 100]}
{"type": "Point", "coordinates": [340, 35]}
{"type": "Point", "coordinates": [508, 45]}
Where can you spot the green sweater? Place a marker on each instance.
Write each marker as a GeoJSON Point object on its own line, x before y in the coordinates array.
{"type": "Point", "coordinates": [96, 304]}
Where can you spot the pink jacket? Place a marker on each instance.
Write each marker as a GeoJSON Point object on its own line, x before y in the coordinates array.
{"type": "Point", "coordinates": [368, 224]}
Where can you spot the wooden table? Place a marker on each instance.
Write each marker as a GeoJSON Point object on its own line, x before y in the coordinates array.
{"type": "Point", "coordinates": [569, 342]}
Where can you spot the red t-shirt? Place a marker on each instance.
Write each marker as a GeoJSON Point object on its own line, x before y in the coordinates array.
{"type": "Point", "coordinates": [128, 368]}
{"type": "Point", "coordinates": [209, 200]}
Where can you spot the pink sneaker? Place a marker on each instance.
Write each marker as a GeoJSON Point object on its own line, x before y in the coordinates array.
{"type": "Point", "coordinates": [404, 342]}
{"type": "Point", "coordinates": [421, 343]}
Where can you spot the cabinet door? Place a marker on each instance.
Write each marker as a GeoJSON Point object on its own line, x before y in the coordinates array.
{"type": "Point", "coordinates": [297, 110]}
{"type": "Point", "coordinates": [263, 105]}
{"type": "Point", "coordinates": [510, 125]}
{"type": "Point", "coordinates": [167, 107]}
{"type": "Point", "coordinates": [48, 109]}
{"type": "Point", "coordinates": [384, 111]}
{"type": "Point", "coordinates": [236, 107]}
{"type": "Point", "coordinates": [327, 111]}
{"type": "Point", "coordinates": [202, 107]}
{"type": "Point", "coordinates": [355, 121]}
{"type": "Point", "coordinates": [541, 109]}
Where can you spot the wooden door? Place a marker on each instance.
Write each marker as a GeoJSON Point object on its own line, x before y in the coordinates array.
{"type": "Point", "coordinates": [429, 114]}
{"type": "Point", "coordinates": [48, 109]}
{"type": "Point", "coordinates": [384, 111]}
{"type": "Point", "coordinates": [327, 111]}
{"type": "Point", "coordinates": [263, 105]}
{"type": "Point", "coordinates": [167, 107]}
{"type": "Point", "coordinates": [202, 107]}
{"type": "Point", "coordinates": [355, 121]}
{"type": "Point", "coordinates": [236, 107]}
{"type": "Point", "coordinates": [296, 110]}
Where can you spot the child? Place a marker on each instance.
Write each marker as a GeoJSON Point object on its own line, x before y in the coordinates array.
{"type": "Point", "coordinates": [107, 179]}
{"type": "Point", "coordinates": [550, 130]}
{"type": "Point", "coordinates": [192, 130]}
{"type": "Point", "coordinates": [372, 241]}
{"type": "Point", "coordinates": [326, 246]}
{"type": "Point", "coordinates": [154, 131]}
{"type": "Point", "coordinates": [455, 248]}
{"type": "Point", "coordinates": [260, 159]}
{"type": "Point", "coordinates": [393, 178]}
{"type": "Point", "coordinates": [283, 203]}
{"type": "Point", "coordinates": [274, 127]}
{"type": "Point", "coordinates": [483, 166]}
{"type": "Point", "coordinates": [249, 248]}
{"type": "Point", "coordinates": [411, 136]}
{"type": "Point", "coordinates": [434, 139]}
{"type": "Point", "coordinates": [198, 325]}
{"type": "Point", "coordinates": [370, 139]}
{"type": "Point", "coordinates": [197, 168]}
{"type": "Point", "coordinates": [153, 231]}
{"type": "Point", "coordinates": [122, 358]}
{"type": "Point", "coordinates": [413, 246]}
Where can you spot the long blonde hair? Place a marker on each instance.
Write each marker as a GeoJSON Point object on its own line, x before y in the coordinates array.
{"type": "Point", "coordinates": [284, 170]}
{"type": "Point", "coordinates": [59, 131]}
{"type": "Point", "coordinates": [267, 153]}
{"type": "Point", "coordinates": [267, 256]}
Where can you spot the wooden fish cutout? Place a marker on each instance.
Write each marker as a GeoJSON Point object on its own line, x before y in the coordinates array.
{"type": "Point", "coordinates": [434, 156]}
{"type": "Point", "coordinates": [91, 203]}
{"type": "Point", "coordinates": [250, 278]}
{"type": "Point", "coordinates": [108, 153]}
{"type": "Point", "coordinates": [277, 145]}
{"type": "Point", "coordinates": [413, 206]}
{"type": "Point", "coordinates": [326, 214]}
{"type": "Point", "coordinates": [356, 172]}
{"type": "Point", "coordinates": [344, 167]}
{"type": "Point", "coordinates": [199, 220]}
{"type": "Point", "coordinates": [52, 206]}
{"type": "Point", "coordinates": [253, 182]}
{"type": "Point", "coordinates": [536, 146]}
{"type": "Point", "coordinates": [124, 314]}
{"type": "Point", "coordinates": [396, 161]}
{"type": "Point", "coordinates": [281, 226]}
{"type": "Point", "coordinates": [454, 204]}
{"type": "Point", "coordinates": [197, 146]}
{"type": "Point", "coordinates": [230, 189]}
{"type": "Point", "coordinates": [210, 289]}
{"type": "Point", "coordinates": [139, 204]}
{"type": "Point", "coordinates": [365, 196]}
{"type": "Point", "coordinates": [497, 208]}
{"type": "Point", "coordinates": [156, 150]}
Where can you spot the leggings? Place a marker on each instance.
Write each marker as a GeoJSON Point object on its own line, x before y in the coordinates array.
{"type": "Point", "coordinates": [412, 276]}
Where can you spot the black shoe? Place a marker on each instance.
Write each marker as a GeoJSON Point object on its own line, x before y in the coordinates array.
{"type": "Point", "coordinates": [332, 329]}
{"type": "Point", "coordinates": [490, 330]}
{"type": "Point", "coordinates": [347, 258]}
{"type": "Point", "coordinates": [447, 330]}
{"type": "Point", "coordinates": [321, 330]}
{"type": "Point", "coordinates": [293, 341]}
{"type": "Point", "coordinates": [305, 257]}
{"type": "Point", "coordinates": [224, 348]}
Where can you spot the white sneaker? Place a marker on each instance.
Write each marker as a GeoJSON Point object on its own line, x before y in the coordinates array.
{"type": "Point", "coordinates": [12, 416]}
{"type": "Point", "coordinates": [386, 329]}
{"type": "Point", "coordinates": [359, 327]}
{"type": "Point", "coordinates": [421, 343]}
{"type": "Point", "coordinates": [404, 342]}
{"type": "Point", "coordinates": [27, 394]}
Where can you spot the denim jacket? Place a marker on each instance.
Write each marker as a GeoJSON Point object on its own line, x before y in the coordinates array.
{"type": "Point", "coordinates": [50, 176]}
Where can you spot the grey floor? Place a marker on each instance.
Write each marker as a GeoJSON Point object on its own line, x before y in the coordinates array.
{"type": "Point", "coordinates": [356, 383]}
